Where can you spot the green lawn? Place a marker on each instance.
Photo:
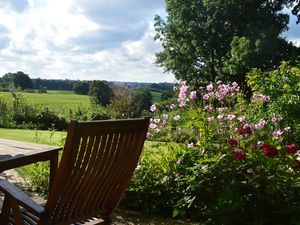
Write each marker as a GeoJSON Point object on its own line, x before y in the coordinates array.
{"type": "Point", "coordinates": [37, 136]}
{"type": "Point", "coordinates": [54, 99]}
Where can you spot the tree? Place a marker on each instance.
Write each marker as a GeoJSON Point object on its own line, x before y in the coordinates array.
{"type": "Point", "coordinates": [100, 92]}
{"type": "Point", "coordinates": [81, 87]}
{"type": "Point", "coordinates": [209, 40]}
{"type": "Point", "coordinates": [141, 100]}
{"type": "Point", "coordinates": [19, 79]}
{"type": "Point", "coordinates": [296, 8]}
{"type": "Point", "coordinates": [121, 103]}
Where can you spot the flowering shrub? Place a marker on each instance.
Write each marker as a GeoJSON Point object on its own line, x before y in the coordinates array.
{"type": "Point", "coordinates": [236, 165]}
{"type": "Point", "coordinates": [283, 87]}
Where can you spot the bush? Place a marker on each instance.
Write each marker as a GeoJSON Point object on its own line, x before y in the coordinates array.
{"type": "Point", "coordinates": [47, 119]}
{"type": "Point", "coordinates": [283, 87]}
{"type": "Point", "coordinates": [19, 114]}
{"type": "Point", "coordinates": [238, 163]}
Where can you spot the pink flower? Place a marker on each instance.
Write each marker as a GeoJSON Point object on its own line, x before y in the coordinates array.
{"type": "Point", "coordinates": [156, 121]}
{"type": "Point", "coordinates": [241, 118]}
{"type": "Point", "coordinates": [287, 129]}
{"type": "Point", "coordinates": [235, 87]}
{"type": "Point", "coordinates": [221, 116]}
{"type": "Point", "coordinates": [260, 124]}
{"type": "Point", "coordinates": [239, 154]}
{"type": "Point", "coordinates": [153, 108]}
{"type": "Point", "coordinates": [148, 135]}
{"type": "Point", "coordinates": [165, 116]}
{"type": "Point", "coordinates": [230, 116]}
{"type": "Point", "coordinates": [210, 119]}
{"type": "Point", "coordinates": [206, 97]}
{"type": "Point", "coordinates": [152, 125]}
{"type": "Point", "coordinates": [277, 134]}
{"type": "Point", "coordinates": [172, 106]}
{"type": "Point", "coordinates": [190, 145]}
{"type": "Point", "coordinates": [261, 97]}
{"type": "Point", "coordinates": [209, 87]}
{"type": "Point", "coordinates": [274, 119]}
{"type": "Point", "coordinates": [193, 95]}
{"type": "Point", "coordinates": [182, 103]}
{"type": "Point", "coordinates": [177, 117]}
{"type": "Point", "coordinates": [221, 109]}
{"type": "Point", "coordinates": [208, 108]}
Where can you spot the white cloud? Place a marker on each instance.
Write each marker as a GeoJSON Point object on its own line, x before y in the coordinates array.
{"type": "Point", "coordinates": [76, 39]}
{"type": "Point", "coordinates": [79, 39]}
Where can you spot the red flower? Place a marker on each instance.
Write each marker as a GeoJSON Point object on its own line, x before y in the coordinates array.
{"type": "Point", "coordinates": [239, 154]}
{"type": "Point", "coordinates": [265, 146]}
{"type": "Point", "coordinates": [233, 142]}
{"type": "Point", "coordinates": [291, 148]}
{"type": "Point", "coordinates": [244, 130]}
{"type": "Point", "coordinates": [269, 150]}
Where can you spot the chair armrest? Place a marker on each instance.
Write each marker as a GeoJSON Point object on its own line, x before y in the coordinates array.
{"type": "Point", "coordinates": [15, 194]}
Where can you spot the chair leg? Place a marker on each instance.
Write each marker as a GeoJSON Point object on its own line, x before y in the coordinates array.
{"type": "Point", "coordinates": [4, 217]}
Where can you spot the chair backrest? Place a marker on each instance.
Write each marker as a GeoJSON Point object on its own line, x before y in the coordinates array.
{"type": "Point", "coordinates": [98, 160]}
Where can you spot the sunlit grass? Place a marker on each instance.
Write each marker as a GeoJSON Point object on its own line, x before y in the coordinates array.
{"type": "Point", "coordinates": [61, 100]}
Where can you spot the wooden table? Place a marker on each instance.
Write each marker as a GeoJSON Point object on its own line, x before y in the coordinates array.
{"type": "Point", "coordinates": [14, 154]}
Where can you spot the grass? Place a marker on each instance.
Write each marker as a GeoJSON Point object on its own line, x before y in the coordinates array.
{"type": "Point", "coordinates": [36, 136]}
{"type": "Point", "coordinates": [156, 96]}
{"type": "Point", "coordinates": [63, 100]}
{"type": "Point", "coordinates": [60, 100]}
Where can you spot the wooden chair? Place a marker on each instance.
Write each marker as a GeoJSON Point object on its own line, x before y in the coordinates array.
{"type": "Point", "coordinates": [98, 160]}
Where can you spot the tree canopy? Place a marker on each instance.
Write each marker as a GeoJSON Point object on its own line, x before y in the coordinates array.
{"type": "Point", "coordinates": [100, 92]}
{"type": "Point", "coordinates": [208, 40]}
{"type": "Point", "coordinates": [81, 87]}
{"type": "Point", "coordinates": [18, 79]}
{"type": "Point", "coordinates": [141, 100]}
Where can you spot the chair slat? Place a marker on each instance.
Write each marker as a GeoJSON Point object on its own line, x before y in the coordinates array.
{"type": "Point", "coordinates": [98, 160]}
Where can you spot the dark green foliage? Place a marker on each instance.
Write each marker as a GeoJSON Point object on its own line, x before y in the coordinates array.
{"type": "Point", "coordinates": [48, 119]}
{"type": "Point", "coordinates": [18, 79]}
{"type": "Point", "coordinates": [20, 114]}
{"type": "Point", "coordinates": [209, 40]}
{"type": "Point", "coordinates": [141, 100]}
{"type": "Point", "coordinates": [81, 87]}
{"type": "Point", "coordinates": [53, 84]}
{"type": "Point", "coordinates": [121, 104]}
{"type": "Point", "coordinates": [161, 87]}
{"type": "Point", "coordinates": [167, 95]}
{"type": "Point", "coordinates": [296, 8]}
{"type": "Point", "coordinates": [100, 92]}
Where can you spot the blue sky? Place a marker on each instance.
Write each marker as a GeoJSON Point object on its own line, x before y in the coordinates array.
{"type": "Point", "coordinates": [86, 40]}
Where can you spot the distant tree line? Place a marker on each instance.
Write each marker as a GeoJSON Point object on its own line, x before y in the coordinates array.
{"type": "Point", "coordinates": [117, 98]}
{"type": "Point", "coordinates": [53, 84]}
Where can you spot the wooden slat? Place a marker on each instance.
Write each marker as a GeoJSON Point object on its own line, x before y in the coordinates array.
{"type": "Point", "coordinates": [97, 163]}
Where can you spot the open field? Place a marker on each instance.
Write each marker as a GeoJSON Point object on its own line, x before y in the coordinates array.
{"type": "Point", "coordinates": [156, 96]}
{"type": "Point", "coordinates": [62, 100]}
{"type": "Point", "coordinates": [54, 99]}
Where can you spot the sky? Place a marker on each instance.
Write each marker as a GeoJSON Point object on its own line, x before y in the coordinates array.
{"type": "Point", "coordinates": [85, 40]}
